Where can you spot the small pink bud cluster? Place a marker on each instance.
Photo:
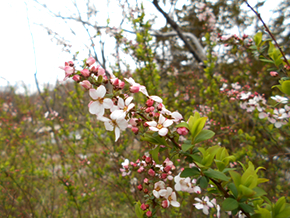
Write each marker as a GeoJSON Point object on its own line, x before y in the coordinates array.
{"type": "Point", "coordinates": [182, 131]}
{"type": "Point", "coordinates": [273, 73]}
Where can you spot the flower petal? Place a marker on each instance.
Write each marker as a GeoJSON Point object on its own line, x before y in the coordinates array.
{"type": "Point", "coordinates": [94, 94]}
{"type": "Point", "coordinates": [109, 126]}
{"type": "Point", "coordinates": [162, 132]}
{"type": "Point", "coordinates": [152, 128]}
{"type": "Point", "coordinates": [108, 103]}
{"type": "Point", "coordinates": [175, 203]}
{"type": "Point", "coordinates": [156, 194]}
{"type": "Point", "coordinates": [128, 100]}
{"type": "Point", "coordinates": [117, 133]}
{"type": "Point", "coordinates": [96, 108]}
{"type": "Point", "coordinates": [167, 123]}
{"type": "Point", "coordinates": [121, 103]}
{"type": "Point", "coordinates": [122, 123]}
{"type": "Point", "coordinates": [152, 123]}
{"type": "Point", "coordinates": [161, 119]}
{"type": "Point", "coordinates": [156, 98]}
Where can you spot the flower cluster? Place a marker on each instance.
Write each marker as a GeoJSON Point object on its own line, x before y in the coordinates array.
{"type": "Point", "coordinates": [118, 112]}
{"type": "Point", "coordinates": [120, 107]}
{"type": "Point", "coordinates": [276, 116]}
{"type": "Point", "coordinates": [254, 101]}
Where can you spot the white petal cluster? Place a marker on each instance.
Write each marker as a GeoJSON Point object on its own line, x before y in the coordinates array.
{"type": "Point", "coordinates": [161, 126]}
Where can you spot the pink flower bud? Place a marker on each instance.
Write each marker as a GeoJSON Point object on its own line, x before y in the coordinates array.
{"type": "Point", "coordinates": [165, 204]}
{"type": "Point", "coordinates": [135, 130]}
{"type": "Point", "coordinates": [159, 107]}
{"type": "Point", "coordinates": [140, 170]}
{"type": "Point", "coordinates": [94, 70]}
{"type": "Point", "coordinates": [156, 114]}
{"type": "Point", "coordinates": [86, 84]}
{"type": "Point", "coordinates": [182, 131]}
{"type": "Point", "coordinates": [134, 89]}
{"type": "Point", "coordinates": [143, 207]}
{"type": "Point", "coordinates": [273, 73]}
{"type": "Point", "coordinates": [146, 181]}
{"type": "Point", "coordinates": [148, 213]}
{"type": "Point", "coordinates": [149, 102]}
{"type": "Point", "coordinates": [115, 81]}
{"type": "Point", "coordinates": [163, 175]}
{"type": "Point", "coordinates": [101, 71]}
{"type": "Point", "coordinates": [69, 70]}
{"type": "Point", "coordinates": [148, 160]}
{"type": "Point", "coordinates": [147, 110]}
{"type": "Point", "coordinates": [70, 63]}
{"type": "Point", "coordinates": [121, 84]}
{"type": "Point", "coordinates": [167, 169]}
{"type": "Point", "coordinates": [145, 124]}
{"type": "Point", "coordinates": [85, 72]}
{"type": "Point", "coordinates": [245, 36]}
{"type": "Point", "coordinates": [90, 61]}
{"type": "Point", "coordinates": [151, 172]}
{"type": "Point", "coordinates": [140, 187]}
{"type": "Point", "coordinates": [133, 122]}
{"type": "Point", "coordinates": [145, 191]}
{"type": "Point", "coordinates": [76, 78]}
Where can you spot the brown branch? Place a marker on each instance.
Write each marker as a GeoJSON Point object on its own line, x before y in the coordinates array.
{"type": "Point", "coordinates": [179, 32]}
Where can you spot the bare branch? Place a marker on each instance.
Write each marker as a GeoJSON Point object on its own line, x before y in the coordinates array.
{"type": "Point", "coordinates": [191, 36]}
{"type": "Point", "coordinates": [174, 25]}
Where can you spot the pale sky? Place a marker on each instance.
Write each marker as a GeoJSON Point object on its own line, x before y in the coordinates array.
{"type": "Point", "coordinates": [17, 53]}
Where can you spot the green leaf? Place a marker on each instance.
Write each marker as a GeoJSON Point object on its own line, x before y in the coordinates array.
{"type": "Point", "coordinates": [185, 147]}
{"type": "Point", "coordinates": [204, 135]}
{"type": "Point", "coordinates": [254, 47]}
{"type": "Point", "coordinates": [192, 120]}
{"type": "Point", "coordinates": [267, 61]}
{"type": "Point", "coordinates": [197, 159]}
{"type": "Point", "coordinates": [286, 87]}
{"type": "Point", "coordinates": [258, 38]}
{"type": "Point", "coordinates": [230, 204]}
{"type": "Point", "coordinates": [280, 205]}
{"type": "Point", "coordinates": [277, 86]}
{"type": "Point", "coordinates": [250, 174]}
{"type": "Point", "coordinates": [246, 192]}
{"type": "Point", "coordinates": [208, 155]}
{"type": "Point", "coordinates": [220, 165]}
{"type": "Point", "coordinates": [216, 175]}
{"type": "Point", "coordinates": [188, 172]}
{"type": "Point", "coordinates": [203, 182]}
{"type": "Point", "coordinates": [271, 49]}
{"type": "Point", "coordinates": [236, 177]}
{"type": "Point", "coordinates": [155, 153]}
{"type": "Point", "coordinates": [264, 212]}
{"type": "Point", "coordinates": [285, 213]}
{"type": "Point", "coordinates": [200, 126]}
{"type": "Point", "coordinates": [247, 208]}
{"type": "Point", "coordinates": [233, 189]}
{"type": "Point", "coordinates": [259, 192]}
{"type": "Point", "coordinates": [154, 139]}
{"type": "Point", "coordinates": [139, 212]}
